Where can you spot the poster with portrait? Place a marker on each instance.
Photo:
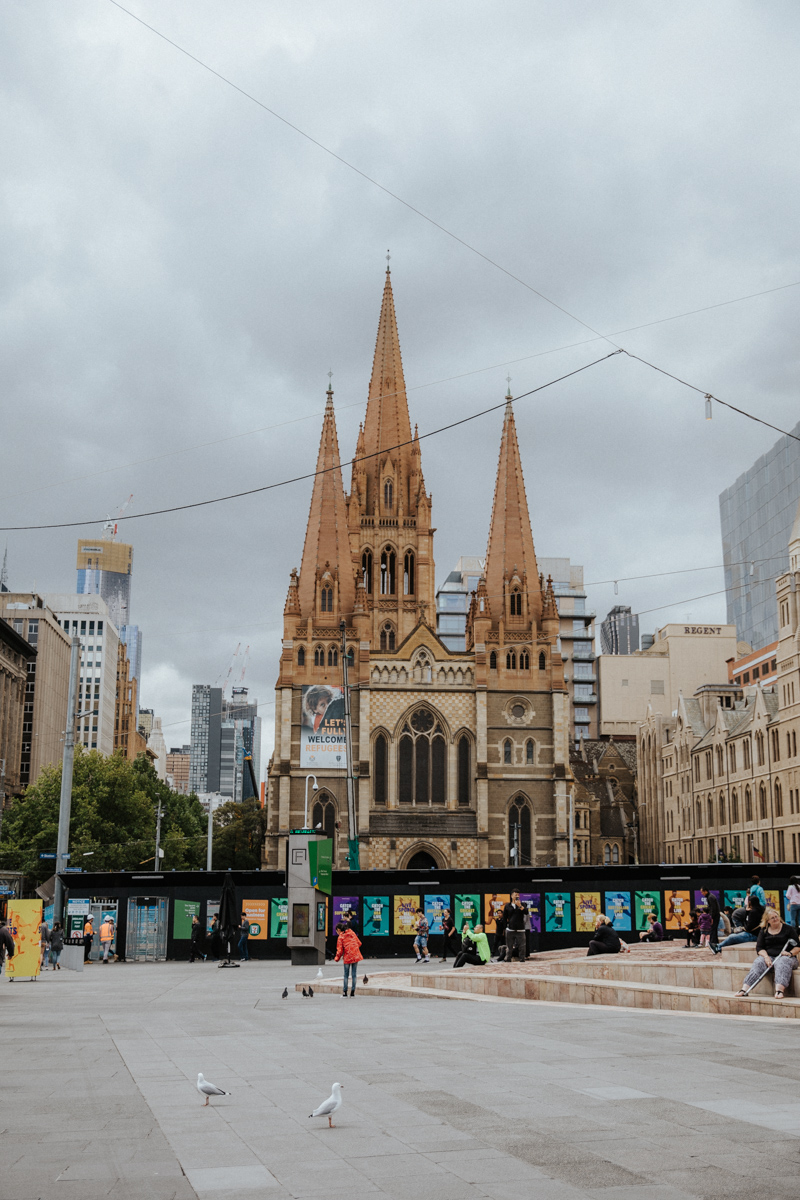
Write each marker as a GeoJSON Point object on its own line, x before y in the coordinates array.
{"type": "Point", "coordinates": [699, 898]}
{"type": "Point", "coordinates": [405, 914]}
{"type": "Point", "coordinates": [533, 903]}
{"type": "Point", "coordinates": [468, 909]}
{"type": "Point", "coordinates": [618, 910]}
{"type": "Point", "coordinates": [646, 903]}
{"type": "Point", "coordinates": [257, 913]}
{"type": "Point", "coordinates": [345, 908]}
{"type": "Point", "coordinates": [676, 909]}
{"type": "Point", "coordinates": [24, 918]}
{"type": "Point", "coordinates": [493, 904]}
{"type": "Point", "coordinates": [278, 917]}
{"type": "Point", "coordinates": [558, 912]}
{"type": "Point", "coordinates": [434, 907]}
{"type": "Point", "coordinates": [734, 898]}
{"type": "Point", "coordinates": [376, 916]}
{"type": "Point", "coordinates": [587, 910]}
{"type": "Point", "coordinates": [322, 732]}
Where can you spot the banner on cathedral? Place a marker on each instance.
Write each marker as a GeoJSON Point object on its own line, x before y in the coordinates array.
{"type": "Point", "coordinates": [322, 729]}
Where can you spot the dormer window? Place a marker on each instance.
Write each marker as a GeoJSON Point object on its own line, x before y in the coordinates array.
{"type": "Point", "coordinates": [516, 604]}
{"type": "Point", "coordinates": [388, 495]}
{"type": "Point", "coordinates": [326, 599]}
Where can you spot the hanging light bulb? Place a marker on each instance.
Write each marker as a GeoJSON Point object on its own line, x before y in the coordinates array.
{"type": "Point", "coordinates": [709, 413]}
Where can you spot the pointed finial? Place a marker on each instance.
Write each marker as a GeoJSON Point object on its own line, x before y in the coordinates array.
{"type": "Point", "coordinates": [330, 383]}
{"type": "Point", "coordinates": [388, 260]}
{"type": "Point", "coordinates": [508, 391]}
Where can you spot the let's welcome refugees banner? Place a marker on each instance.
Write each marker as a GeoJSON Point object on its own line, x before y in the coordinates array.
{"type": "Point", "coordinates": [322, 728]}
{"type": "Point", "coordinates": [24, 918]}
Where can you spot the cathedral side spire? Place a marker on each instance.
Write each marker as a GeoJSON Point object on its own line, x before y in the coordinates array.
{"type": "Point", "coordinates": [510, 556]}
{"type": "Point", "coordinates": [326, 586]}
{"type": "Point", "coordinates": [387, 422]}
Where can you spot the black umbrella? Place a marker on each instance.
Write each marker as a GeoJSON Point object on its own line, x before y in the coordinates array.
{"type": "Point", "coordinates": [228, 917]}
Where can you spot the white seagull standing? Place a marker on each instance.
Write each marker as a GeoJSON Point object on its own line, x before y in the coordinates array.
{"type": "Point", "coordinates": [330, 1106]}
{"type": "Point", "coordinates": [208, 1089]}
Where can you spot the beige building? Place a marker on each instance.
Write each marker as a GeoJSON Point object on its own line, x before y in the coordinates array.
{"type": "Point", "coordinates": [723, 775]}
{"type": "Point", "coordinates": [576, 631]}
{"type": "Point", "coordinates": [681, 659]}
{"type": "Point", "coordinates": [178, 760]}
{"type": "Point", "coordinates": [127, 740]}
{"type": "Point", "coordinates": [47, 685]}
{"type": "Point", "coordinates": [15, 655]}
{"type": "Point", "coordinates": [87, 617]}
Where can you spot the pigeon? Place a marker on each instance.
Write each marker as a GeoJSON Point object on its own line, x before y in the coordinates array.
{"type": "Point", "coordinates": [366, 979]}
{"type": "Point", "coordinates": [305, 993]}
{"type": "Point", "coordinates": [330, 1106]}
{"type": "Point", "coordinates": [310, 990]}
{"type": "Point", "coordinates": [208, 1089]}
{"type": "Point", "coordinates": [284, 993]}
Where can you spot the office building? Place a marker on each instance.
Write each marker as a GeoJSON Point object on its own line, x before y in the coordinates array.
{"type": "Point", "coordinates": [15, 655]}
{"type": "Point", "coordinates": [145, 722]}
{"type": "Point", "coordinates": [222, 732]}
{"type": "Point", "coordinates": [756, 514]}
{"type": "Point", "coordinates": [128, 741]}
{"type": "Point", "coordinates": [178, 760]}
{"type": "Point", "coordinates": [87, 617]}
{"type": "Point", "coordinates": [243, 712]}
{"type": "Point", "coordinates": [47, 683]}
{"type": "Point", "coordinates": [681, 659]}
{"type": "Point", "coordinates": [452, 602]}
{"type": "Point", "coordinates": [206, 729]}
{"type": "Point", "coordinates": [577, 641]}
{"type": "Point", "coordinates": [158, 749]}
{"type": "Point", "coordinates": [760, 667]}
{"type": "Point", "coordinates": [105, 569]}
{"type": "Point", "coordinates": [619, 633]}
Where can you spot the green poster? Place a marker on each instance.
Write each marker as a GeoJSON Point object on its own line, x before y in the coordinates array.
{"type": "Point", "coordinates": [735, 898]}
{"type": "Point", "coordinates": [182, 915]}
{"type": "Point", "coordinates": [647, 902]}
{"type": "Point", "coordinates": [278, 917]}
{"type": "Point", "coordinates": [320, 864]}
{"type": "Point", "coordinates": [468, 909]}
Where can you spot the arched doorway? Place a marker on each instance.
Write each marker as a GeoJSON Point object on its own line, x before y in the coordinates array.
{"type": "Point", "coordinates": [421, 861]}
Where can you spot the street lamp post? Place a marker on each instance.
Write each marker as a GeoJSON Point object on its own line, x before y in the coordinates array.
{"type": "Point", "coordinates": [67, 762]}
{"type": "Point", "coordinates": [305, 811]}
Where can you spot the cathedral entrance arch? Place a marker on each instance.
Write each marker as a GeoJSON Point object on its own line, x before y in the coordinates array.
{"type": "Point", "coordinates": [421, 857]}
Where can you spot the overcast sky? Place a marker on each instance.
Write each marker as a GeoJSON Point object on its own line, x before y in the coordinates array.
{"type": "Point", "coordinates": [180, 270]}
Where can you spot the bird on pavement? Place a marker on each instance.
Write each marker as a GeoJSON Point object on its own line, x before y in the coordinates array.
{"type": "Point", "coordinates": [319, 974]}
{"type": "Point", "coordinates": [330, 1106]}
{"type": "Point", "coordinates": [284, 993]}
{"type": "Point", "coordinates": [366, 979]}
{"type": "Point", "coordinates": [305, 993]}
{"type": "Point", "coordinates": [208, 1089]}
{"type": "Point", "coordinates": [310, 990]}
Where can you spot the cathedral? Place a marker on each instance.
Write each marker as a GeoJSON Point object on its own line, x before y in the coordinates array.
{"type": "Point", "coordinates": [461, 759]}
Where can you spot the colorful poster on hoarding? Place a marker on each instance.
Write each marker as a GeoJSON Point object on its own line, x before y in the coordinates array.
{"type": "Point", "coordinates": [468, 909]}
{"type": "Point", "coordinates": [676, 909]}
{"type": "Point", "coordinates": [405, 914]}
{"type": "Point", "coordinates": [557, 912]}
{"type": "Point", "coordinates": [257, 913]}
{"type": "Point", "coordinates": [647, 902]}
{"type": "Point", "coordinates": [345, 908]}
{"type": "Point", "coordinates": [376, 916]}
{"type": "Point", "coordinates": [533, 903]}
{"type": "Point", "coordinates": [182, 914]}
{"type": "Point", "coordinates": [735, 899]}
{"type": "Point", "coordinates": [24, 918]}
{"type": "Point", "coordinates": [322, 734]}
{"type": "Point", "coordinates": [773, 899]}
{"type": "Point", "coordinates": [618, 910]}
{"type": "Point", "coordinates": [212, 910]}
{"type": "Point", "coordinates": [493, 904]}
{"type": "Point", "coordinates": [587, 910]}
{"type": "Point", "coordinates": [699, 898]}
{"type": "Point", "coordinates": [320, 864]}
{"type": "Point", "coordinates": [434, 907]}
{"type": "Point", "coordinates": [278, 917]}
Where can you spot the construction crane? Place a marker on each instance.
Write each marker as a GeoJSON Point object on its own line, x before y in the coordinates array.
{"type": "Point", "coordinates": [110, 526]}
{"type": "Point", "coordinates": [230, 669]}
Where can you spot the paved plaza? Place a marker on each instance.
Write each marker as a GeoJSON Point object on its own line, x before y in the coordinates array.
{"type": "Point", "coordinates": [455, 1100]}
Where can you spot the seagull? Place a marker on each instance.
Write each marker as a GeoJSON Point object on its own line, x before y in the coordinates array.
{"type": "Point", "coordinates": [310, 990]}
{"type": "Point", "coordinates": [330, 1106]}
{"type": "Point", "coordinates": [208, 1089]}
{"type": "Point", "coordinates": [284, 993]}
{"type": "Point", "coordinates": [319, 974]}
{"type": "Point", "coordinates": [305, 993]}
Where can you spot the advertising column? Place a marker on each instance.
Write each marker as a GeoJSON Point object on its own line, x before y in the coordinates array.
{"type": "Point", "coordinates": [309, 879]}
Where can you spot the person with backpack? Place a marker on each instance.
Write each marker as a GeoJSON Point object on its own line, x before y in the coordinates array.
{"type": "Point", "coordinates": [348, 948]}
{"type": "Point", "coordinates": [56, 945]}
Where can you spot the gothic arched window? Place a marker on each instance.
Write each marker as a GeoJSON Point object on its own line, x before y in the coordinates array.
{"type": "Point", "coordinates": [748, 805]}
{"type": "Point", "coordinates": [301, 657]}
{"type": "Point", "coordinates": [511, 661]}
{"type": "Point", "coordinates": [351, 656]}
{"type": "Point", "coordinates": [422, 760]}
{"type": "Point", "coordinates": [379, 771]}
{"type": "Point", "coordinates": [606, 854]}
{"type": "Point", "coordinates": [408, 574]}
{"type": "Point", "coordinates": [529, 752]}
{"type": "Point", "coordinates": [524, 661]}
{"type": "Point", "coordinates": [542, 662]}
{"type": "Point", "coordinates": [734, 808]}
{"type": "Point", "coordinates": [710, 812]}
{"type": "Point", "coordinates": [699, 815]}
{"type": "Point", "coordinates": [319, 656]}
{"type": "Point", "coordinates": [388, 568]}
{"type": "Point", "coordinates": [333, 657]}
{"type": "Point", "coordinates": [388, 495]}
{"type": "Point", "coordinates": [464, 757]}
{"type": "Point", "coordinates": [516, 604]}
{"type": "Point", "coordinates": [324, 814]}
{"type": "Point", "coordinates": [762, 802]}
{"type": "Point", "coordinates": [507, 750]}
{"type": "Point", "coordinates": [326, 599]}
{"type": "Point", "coordinates": [387, 637]}
{"type": "Point", "coordinates": [519, 833]}
{"type": "Point", "coordinates": [493, 661]}
{"type": "Point", "coordinates": [615, 853]}
{"type": "Point", "coordinates": [366, 571]}
{"type": "Point", "coordinates": [722, 808]}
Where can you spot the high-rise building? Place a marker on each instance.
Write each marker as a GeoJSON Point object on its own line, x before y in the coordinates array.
{"type": "Point", "coordinates": [452, 601]}
{"type": "Point", "coordinates": [47, 684]}
{"type": "Point", "coordinates": [158, 748]}
{"type": "Point", "coordinates": [87, 617]}
{"type": "Point", "coordinates": [756, 514]}
{"type": "Point", "coordinates": [178, 760]}
{"type": "Point", "coordinates": [104, 569]}
{"type": "Point", "coordinates": [145, 722]}
{"type": "Point", "coordinates": [128, 741]}
{"type": "Point", "coordinates": [244, 713]}
{"type": "Point", "coordinates": [619, 633]}
{"type": "Point", "coordinates": [577, 642]}
{"type": "Point", "coordinates": [206, 728]}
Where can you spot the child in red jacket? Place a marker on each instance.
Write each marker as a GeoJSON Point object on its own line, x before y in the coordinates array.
{"type": "Point", "coordinates": [348, 948]}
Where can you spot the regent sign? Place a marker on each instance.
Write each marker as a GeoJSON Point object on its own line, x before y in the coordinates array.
{"type": "Point", "coordinates": [705, 629]}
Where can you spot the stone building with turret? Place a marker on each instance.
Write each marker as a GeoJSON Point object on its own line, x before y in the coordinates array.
{"type": "Point", "coordinates": [461, 758]}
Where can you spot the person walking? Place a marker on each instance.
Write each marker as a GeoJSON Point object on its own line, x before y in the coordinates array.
{"type": "Point", "coordinates": [216, 938]}
{"type": "Point", "coordinates": [56, 945]}
{"type": "Point", "coordinates": [88, 937]}
{"type": "Point", "coordinates": [244, 934]}
{"type": "Point", "coordinates": [107, 932]}
{"type": "Point", "coordinates": [348, 947]}
{"type": "Point", "coordinates": [712, 904]}
{"type": "Point", "coordinates": [448, 935]}
{"type": "Point", "coordinates": [197, 940]}
{"type": "Point", "coordinates": [475, 947]}
{"type": "Point", "coordinates": [421, 940]}
{"type": "Point", "coordinates": [793, 901]}
{"type": "Point", "coordinates": [7, 947]}
{"type": "Point", "coordinates": [44, 945]}
{"type": "Point", "coordinates": [776, 948]}
{"type": "Point", "coordinates": [514, 913]}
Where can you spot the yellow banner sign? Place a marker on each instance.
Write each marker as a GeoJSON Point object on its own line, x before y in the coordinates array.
{"type": "Point", "coordinates": [24, 918]}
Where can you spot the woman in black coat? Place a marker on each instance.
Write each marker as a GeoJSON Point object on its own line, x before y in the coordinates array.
{"type": "Point", "coordinates": [606, 940]}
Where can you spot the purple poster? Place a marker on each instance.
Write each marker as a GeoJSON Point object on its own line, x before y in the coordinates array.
{"type": "Point", "coordinates": [699, 898]}
{"type": "Point", "coordinates": [533, 901]}
{"type": "Point", "coordinates": [345, 908]}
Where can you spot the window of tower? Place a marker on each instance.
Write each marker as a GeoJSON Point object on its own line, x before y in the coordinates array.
{"type": "Point", "coordinates": [542, 662]}
{"type": "Point", "coordinates": [366, 571]}
{"type": "Point", "coordinates": [301, 657]}
{"type": "Point", "coordinates": [319, 656]}
{"type": "Point", "coordinates": [511, 661]}
{"type": "Point", "coordinates": [380, 754]}
{"type": "Point", "coordinates": [333, 657]}
{"type": "Point", "coordinates": [387, 637]}
{"type": "Point", "coordinates": [493, 661]}
{"type": "Point", "coordinates": [524, 660]}
{"type": "Point", "coordinates": [464, 757]}
{"type": "Point", "coordinates": [516, 604]}
{"type": "Point", "coordinates": [326, 599]}
{"type": "Point", "coordinates": [422, 761]}
{"type": "Point", "coordinates": [408, 574]}
{"type": "Point", "coordinates": [388, 568]}
{"type": "Point", "coordinates": [388, 495]}
{"type": "Point", "coordinates": [507, 750]}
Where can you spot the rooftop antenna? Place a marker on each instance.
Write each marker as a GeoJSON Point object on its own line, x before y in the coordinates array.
{"type": "Point", "coordinates": [388, 261]}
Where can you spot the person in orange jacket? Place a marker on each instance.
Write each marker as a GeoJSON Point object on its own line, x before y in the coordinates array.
{"type": "Point", "coordinates": [88, 937]}
{"type": "Point", "coordinates": [107, 932]}
{"type": "Point", "coordinates": [348, 948]}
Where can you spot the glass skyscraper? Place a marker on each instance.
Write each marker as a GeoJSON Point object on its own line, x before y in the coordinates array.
{"type": "Point", "coordinates": [756, 514]}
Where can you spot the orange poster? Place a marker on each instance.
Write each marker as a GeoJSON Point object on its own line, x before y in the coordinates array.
{"type": "Point", "coordinates": [493, 904]}
{"type": "Point", "coordinates": [676, 910]}
{"type": "Point", "coordinates": [24, 918]}
{"type": "Point", "coordinates": [257, 913]}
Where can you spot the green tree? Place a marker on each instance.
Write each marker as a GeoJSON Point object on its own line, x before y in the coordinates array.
{"type": "Point", "coordinates": [239, 830]}
{"type": "Point", "coordinates": [112, 819]}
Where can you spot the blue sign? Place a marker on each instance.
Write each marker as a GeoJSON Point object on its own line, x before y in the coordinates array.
{"type": "Point", "coordinates": [47, 855]}
{"type": "Point", "coordinates": [73, 868]}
